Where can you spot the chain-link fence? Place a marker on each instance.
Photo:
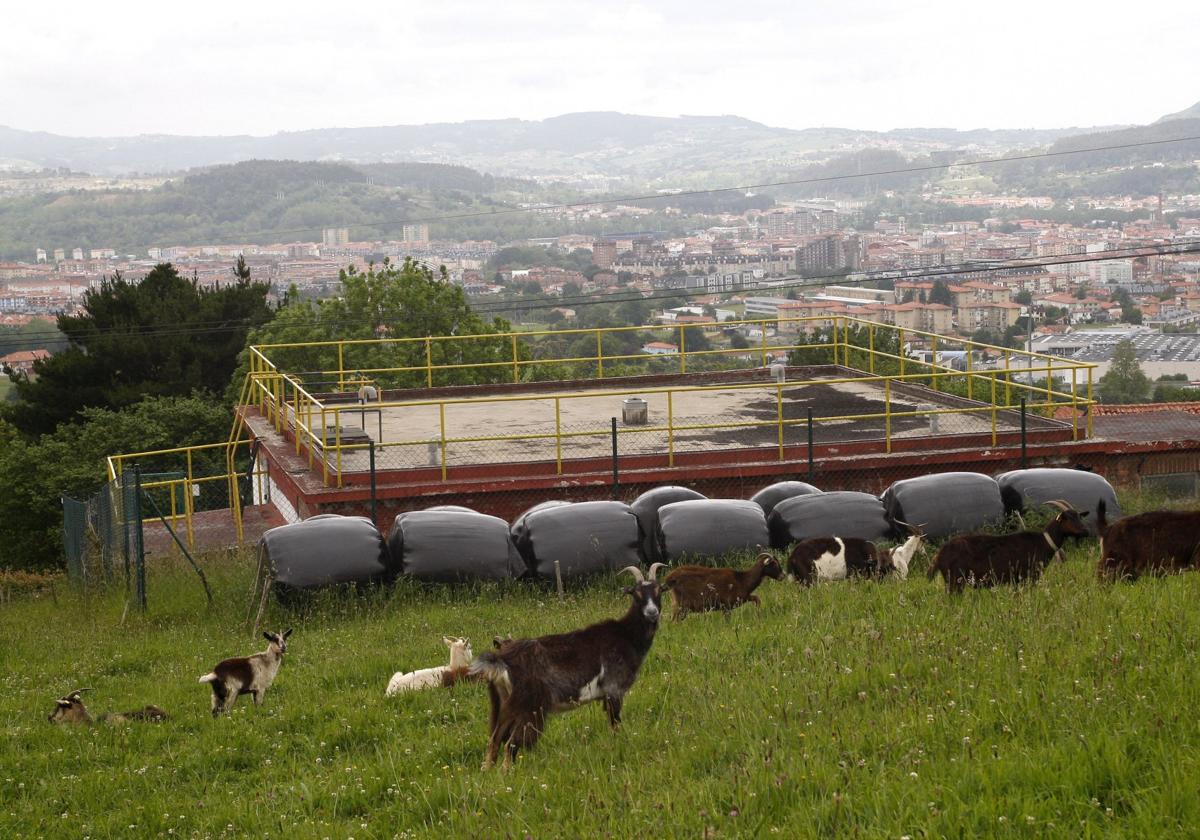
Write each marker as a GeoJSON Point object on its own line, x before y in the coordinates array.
{"type": "Point", "coordinates": [103, 537]}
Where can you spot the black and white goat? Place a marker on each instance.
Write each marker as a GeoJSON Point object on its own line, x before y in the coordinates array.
{"type": "Point", "coordinates": [232, 678]}
{"type": "Point", "coordinates": [837, 558]}
{"type": "Point", "coordinates": [70, 708]}
{"type": "Point", "coordinates": [988, 559]}
{"type": "Point", "coordinates": [528, 679]}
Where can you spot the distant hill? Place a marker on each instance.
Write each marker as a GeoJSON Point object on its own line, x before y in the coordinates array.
{"type": "Point", "coordinates": [253, 201]}
{"type": "Point", "coordinates": [1186, 114]}
{"type": "Point", "coordinates": [596, 145]}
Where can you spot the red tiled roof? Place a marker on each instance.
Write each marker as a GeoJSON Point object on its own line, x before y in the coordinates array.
{"type": "Point", "coordinates": [1145, 408]}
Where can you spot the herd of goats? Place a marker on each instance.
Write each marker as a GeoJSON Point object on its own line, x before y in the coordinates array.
{"type": "Point", "coordinates": [528, 679]}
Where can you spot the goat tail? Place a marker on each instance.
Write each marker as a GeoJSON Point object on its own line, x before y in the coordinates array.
{"type": "Point", "coordinates": [1101, 517]}
{"type": "Point", "coordinates": [489, 666]}
{"type": "Point", "coordinates": [935, 566]}
{"type": "Point", "coordinates": [210, 677]}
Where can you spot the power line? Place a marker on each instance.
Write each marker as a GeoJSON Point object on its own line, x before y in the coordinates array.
{"type": "Point", "coordinates": [494, 307]}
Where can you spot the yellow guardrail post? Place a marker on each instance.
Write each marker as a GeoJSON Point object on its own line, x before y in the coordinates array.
{"type": "Point", "coordinates": [1007, 378]}
{"type": "Point", "coordinates": [599, 355]}
{"type": "Point", "coordinates": [187, 502]}
{"type": "Point", "coordinates": [1074, 404]}
{"type": "Point", "coordinates": [324, 446]}
{"type": "Point", "coordinates": [871, 346]}
{"type": "Point", "coordinates": [337, 435]}
{"type": "Point", "coordinates": [558, 435]}
{"type": "Point", "coordinates": [429, 361]}
{"type": "Point", "coordinates": [682, 349]}
{"type": "Point", "coordinates": [296, 418]}
{"type": "Point", "coordinates": [516, 360]}
{"type": "Point", "coordinates": [670, 429]}
{"type": "Point", "coordinates": [1050, 384]}
{"type": "Point", "coordinates": [900, 349]}
{"type": "Point", "coordinates": [442, 434]}
{"type": "Point", "coordinates": [341, 366]}
{"type": "Point", "coordinates": [887, 415]}
{"type": "Point", "coordinates": [763, 331]}
{"type": "Point", "coordinates": [1090, 403]}
{"type": "Point", "coordinates": [934, 365]}
{"type": "Point", "coordinates": [970, 376]}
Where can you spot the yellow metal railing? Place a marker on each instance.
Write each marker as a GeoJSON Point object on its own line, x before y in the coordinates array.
{"type": "Point", "coordinates": [289, 404]}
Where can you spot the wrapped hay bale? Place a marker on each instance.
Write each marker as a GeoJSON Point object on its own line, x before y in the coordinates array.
{"type": "Point", "coordinates": [584, 537]}
{"type": "Point", "coordinates": [453, 545]}
{"type": "Point", "coordinates": [944, 504]}
{"type": "Point", "coordinates": [646, 506]}
{"type": "Point", "coordinates": [709, 528]}
{"type": "Point", "coordinates": [1021, 490]}
{"type": "Point", "coordinates": [327, 550]}
{"type": "Point", "coordinates": [839, 513]}
{"type": "Point", "coordinates": [773, 494]}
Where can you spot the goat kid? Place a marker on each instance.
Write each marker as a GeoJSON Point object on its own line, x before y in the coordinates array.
{"type": "Point", "coordinates": [837, 558]}
{"type": "Point", "coordinates": [983, 560]}
{"type": "Point", "coordinates": [529, 679]}
{"type": "Point", "coordinates": [232, 678]}
{"type": "Point", "coordinates": [700, 588]}
{"type": "Point", "coordinates": [901, 556]}
{"type": "Point", "coordinates": [1157, 542]}
{"type": "Point", "coordinates": [443, 675]}
{"type": "Point", "coordinates": [70, 708]}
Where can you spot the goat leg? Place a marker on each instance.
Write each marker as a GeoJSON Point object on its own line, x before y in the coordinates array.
{"type": "Point", "coordinates": [612, 705]}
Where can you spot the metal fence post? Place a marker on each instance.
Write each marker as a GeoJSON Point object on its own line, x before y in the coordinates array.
{"type": "Point", "coordinates": [1024, 460]}
{"type": "Point", "coordinates": [140, 546]}
{"type": "Point", "coordinates": [810, 445]}
{"type": "Point", "coordinates": [371, 455]}
{"type": "Point", "coordinates": [616, 491]}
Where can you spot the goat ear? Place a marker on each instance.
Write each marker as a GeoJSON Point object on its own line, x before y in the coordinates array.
{"type": "Point", "coordinates": [287, 632]}
{"type": "Point", "coordinates": [270, 637]}
{"type": "Point", "coordinates": [629, 590]}
{"type": "Point", "coordinates": [1083, 513]}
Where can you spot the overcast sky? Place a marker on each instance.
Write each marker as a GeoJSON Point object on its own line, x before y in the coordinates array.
{"type": "Point", "coordinates": [216, 67]}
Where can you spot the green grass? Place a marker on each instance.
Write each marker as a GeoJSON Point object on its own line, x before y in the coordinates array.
{"type": "Point", "coordinates": [1066, 709]}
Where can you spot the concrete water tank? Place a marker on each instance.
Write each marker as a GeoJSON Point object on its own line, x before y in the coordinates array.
{"type": "Point", "coordinates": [635, 411]}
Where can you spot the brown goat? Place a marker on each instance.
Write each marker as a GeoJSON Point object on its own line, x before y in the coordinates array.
{"type": "Point", "coordinates": [984, 560]}
{"type": "Point", "coordinates": [70, 708]}
{"type": "Point", "coordinates": [700, 588]}
{"type": "Point", "coordinates": [1157, 542]}
{"type": "Point", "coordinates": [528, 679]}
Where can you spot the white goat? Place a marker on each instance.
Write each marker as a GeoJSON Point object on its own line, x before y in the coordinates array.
{"type": "Point", "coordinates": [232, 678]}
{"type": "Point", "coordinates": [443, 675]}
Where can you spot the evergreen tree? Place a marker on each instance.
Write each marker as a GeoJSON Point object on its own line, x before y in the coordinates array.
{"type": "Point", "coordinates": [1125, 382]}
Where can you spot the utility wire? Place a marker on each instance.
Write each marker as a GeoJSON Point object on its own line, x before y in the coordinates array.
{"type": "Point", "coordinates": [494, 307]}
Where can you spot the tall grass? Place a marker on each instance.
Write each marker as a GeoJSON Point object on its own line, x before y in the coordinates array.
{"type": "Point", "coordinates": [853, 709]}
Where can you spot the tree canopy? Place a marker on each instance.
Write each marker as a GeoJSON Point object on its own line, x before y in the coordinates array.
{"type": "Point", "coordinates": [164, 336]}
{"type": "Point", "coordinates": [1125, 382]}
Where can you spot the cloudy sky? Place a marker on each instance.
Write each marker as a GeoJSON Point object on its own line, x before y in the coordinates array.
{"type": "Point", "coordinates": [217, 67]}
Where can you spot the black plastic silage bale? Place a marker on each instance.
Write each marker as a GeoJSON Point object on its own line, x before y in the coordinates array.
{"type": "Point", "coordinates": [773, 494]}
{"type": "Point", "coordinates": [520, 531]}
{"type": "Point", "coordinates": [327, 550]}
{"type": "Point", "coordinates": [646, 506]}
{"type": "Point", "coordinates": [944, 504]}
{"type": "Point", "coordinates": [1021, 490]}
{"type": "Point", "coordinates": [449, 545]}
{"type": "Point", "coordinates": [838, 513]}
{"type": "Point", "coordinates": [709, 528]}
{"type": "Point", "coordinates": [584, 537]}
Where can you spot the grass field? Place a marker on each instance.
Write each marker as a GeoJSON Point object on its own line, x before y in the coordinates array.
{"type": "Point", "coordinates": [1068, 709]}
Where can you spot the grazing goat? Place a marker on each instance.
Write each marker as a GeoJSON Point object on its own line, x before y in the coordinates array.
{"type": "Point", "coordinates": [988, 559]}
{"type": "Point", "coordinates": [901, 556]}
{"type": "Point", "coordinates": [1156, 542]}
{"type": "Point", "coordinates": [528, 679]}
{"type": "Point", "coordinates": [246, 674]}
{"type": "Point", "coordinates": [699, 588]}
{"type": "Point", "coordinates": [837, 558]}
{"type": "Point", "coordinates": [443, 675]}
{"type": "Point", "coordinates": [70, 709]}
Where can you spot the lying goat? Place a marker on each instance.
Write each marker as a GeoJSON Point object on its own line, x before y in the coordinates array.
{"type": "Point", "coordinates": [443, 675]}
{"type": "Point", "coordinates": [700, 588]}
{"type": "Point", "coordinates": [246, 674]}
{"type": "Point", "coordinates": [837, 558]}
{"type": "Point", "coordinates": [70, 709]}
{"type": "Point", "coordinates": [988, 559]}
{"type": "Point", "coordinates": [528, 679]}
{"type": "Point", "coordinates": [1156, 542]}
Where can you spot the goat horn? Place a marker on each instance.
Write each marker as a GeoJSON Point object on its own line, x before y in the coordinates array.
{"type": "Point", "coordinates": [636, 572]}
{"type": "Point", "coordinates": [654, 567]}
{"type": "Point", "coordinates": [70, 694]}
{"type": "Point", "coordinates": [915, 530]}
{"type": "Point", "coordinates": [1061, 504]}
